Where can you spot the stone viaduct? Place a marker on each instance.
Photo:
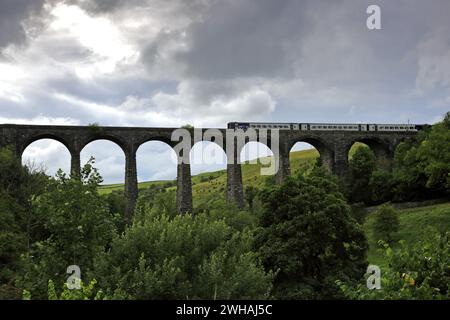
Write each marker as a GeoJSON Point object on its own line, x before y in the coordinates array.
{"type": "Point", "coordinates": [333, 147]}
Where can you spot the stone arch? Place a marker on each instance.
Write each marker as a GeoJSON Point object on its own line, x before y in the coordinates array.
{"type": "Point", "coordinates": [326, 153]}
{"type": "Point", "coordinates": [207, 153]}
{"type": "Point", "coordinates": [212, 135]}
{"type": "Point", "coordinates": [207, 158]}
{"type": "Point", "coordinates": [162, 147]}
{"type": "Point", "coordinates": [101, 159]}
{"type": "Point", "coordinates": [257, 153]}
{"type": "Point", "coordinates": [254, 150]}
{"type": "Point", "coordinates": [238, 144]}
{"type": "Point", "coordinates": [41, 136]}
{"type": "Point", "coordinates": [184, 185]}
{"type": "Point", "coordinates": [58, 153]}
{"type": "Point", "coordinates": [382, 149]}
{"type": "Point", "coordinates": [160, 138]}
{"type": "Point", "coordinates": [108, 137]}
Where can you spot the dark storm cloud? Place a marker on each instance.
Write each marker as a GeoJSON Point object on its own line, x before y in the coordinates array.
{"type": "Point", "coordinates": [13, 13]}
{"type": "Point", "coordinates": [245, 39]}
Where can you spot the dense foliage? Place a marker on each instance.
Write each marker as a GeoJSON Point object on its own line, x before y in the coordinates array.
{"type": "Point", "coordinates": [77, 227]}
{"type": "Point", "coordinates": [19, 225]}
{"type": "Point", "coordinates": [419, 271]}
{"type": "Point", "coordinates": [308, 235]}
{"type": "Point", "coordinates": [183, 257]}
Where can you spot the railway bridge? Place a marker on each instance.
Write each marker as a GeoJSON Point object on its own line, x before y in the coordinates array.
{"type": "Point", "coordinates": [333, 147]}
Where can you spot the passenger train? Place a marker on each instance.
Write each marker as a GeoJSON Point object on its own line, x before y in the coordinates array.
{"type": "Point", "coordinates": [325, 126]}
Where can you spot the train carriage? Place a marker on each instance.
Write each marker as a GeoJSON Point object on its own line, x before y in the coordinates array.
{"type": "Point", "coordinates": [325, 126]}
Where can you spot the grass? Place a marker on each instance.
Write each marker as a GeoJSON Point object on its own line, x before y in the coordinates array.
{"type": "Point", "coordinates": [414, 224]}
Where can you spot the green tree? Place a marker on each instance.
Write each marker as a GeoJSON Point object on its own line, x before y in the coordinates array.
{"type": "Point", "coordinates": [19, 185]}
{"type": "Point", "coordinates": [381, 186]}
{"type": "Point", "coordinates": [386, 223]}
{"type": "Point", "coordinates": [409, 175]}
{"type": "Point", "coordinates": [422, 166]}
{"type": "Point", "coordinates": [435, 153]}
{"type": "Point", "coordinates": [361, 166]}
{"type": "Point", "coordinates": [78, 225]}
{"type": "Point", "coordinates": [308, 235]}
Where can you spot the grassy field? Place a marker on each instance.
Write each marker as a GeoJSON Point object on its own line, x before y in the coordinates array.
{"type": "Point", "coordinates": [414, 224]}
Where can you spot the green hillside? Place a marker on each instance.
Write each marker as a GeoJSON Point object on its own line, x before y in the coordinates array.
{"type": "Point", "coordinates": [414, 223]}
{"type": "Point", "coordinates": [215, 182]}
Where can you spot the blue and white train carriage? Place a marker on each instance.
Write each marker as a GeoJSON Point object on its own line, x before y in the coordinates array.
{"type": "Point", "coordinates": [325, 126]}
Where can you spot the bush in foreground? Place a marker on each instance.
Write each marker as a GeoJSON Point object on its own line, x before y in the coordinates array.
{"type": "Point", "coordinates": [421, 271]}
{"type": "Point", "coordinates": [182, 257]}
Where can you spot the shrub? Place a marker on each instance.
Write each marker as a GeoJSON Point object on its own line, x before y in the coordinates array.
{"type": "Point", "coordinates": [386, 223]}
{"type": "Point", "coordinates": [182, 257]}
{"type": "Point", "coordinates": [420, 271]}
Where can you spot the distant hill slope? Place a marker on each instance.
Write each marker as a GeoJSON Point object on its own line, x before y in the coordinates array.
{"type": "Point", "coordinates": [215, 182]}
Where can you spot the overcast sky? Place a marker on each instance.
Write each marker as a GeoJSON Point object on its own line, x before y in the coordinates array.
{"type": "Point", "coordinates": [202, 62]}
